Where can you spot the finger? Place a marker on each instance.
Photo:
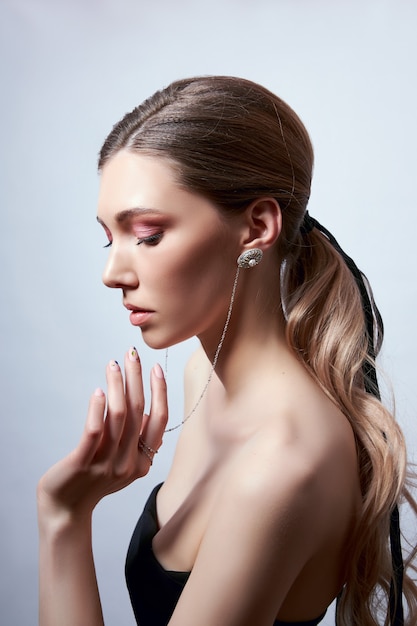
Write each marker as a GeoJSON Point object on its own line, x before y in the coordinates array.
{"type": "Point", "coordinates": [93, 430]}
{"type": "Point", "coordinates": [154, 426]}
{"type": "Point", "coordinates": [116, 409]}
{"type": "Point", "coordinates": [134, 401]}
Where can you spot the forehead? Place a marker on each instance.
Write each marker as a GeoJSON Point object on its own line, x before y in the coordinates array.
{"type": "Point", "coordinates": [137, 187]}
{"type": "Point", "coordinates": [130, 179]}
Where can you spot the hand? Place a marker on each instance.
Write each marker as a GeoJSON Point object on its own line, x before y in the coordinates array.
{"type": "Point", "coordinates": [111, 453]}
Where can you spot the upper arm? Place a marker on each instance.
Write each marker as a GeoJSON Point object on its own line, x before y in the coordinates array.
{"type": "Point", "coordinates": [257, 541]}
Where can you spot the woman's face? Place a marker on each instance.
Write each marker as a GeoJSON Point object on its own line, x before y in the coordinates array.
{"type": "Point", "coordinates": [172, 254]}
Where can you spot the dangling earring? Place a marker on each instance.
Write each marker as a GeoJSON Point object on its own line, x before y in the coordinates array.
{"type": "Point", "coordinates": [247, 259]}
{"type": "Point", "coordinates": [250, 258]}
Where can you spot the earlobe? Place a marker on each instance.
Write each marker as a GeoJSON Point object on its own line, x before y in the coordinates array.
{"type": "Point", "coordinates": [263, 223]}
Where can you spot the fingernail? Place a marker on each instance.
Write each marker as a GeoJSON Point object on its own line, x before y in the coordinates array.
{"type": "Point", "coordinates": [99, 392]}
{"type": "Point", "coordinates": [133, 354]}
{"type": "Point", "coordinates": [114, 365]}
{"type": "Point", "coordinates": [158, 371]}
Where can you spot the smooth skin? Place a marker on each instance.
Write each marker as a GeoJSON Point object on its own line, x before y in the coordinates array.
{"type": "Point", "coordinates": [261, 498]}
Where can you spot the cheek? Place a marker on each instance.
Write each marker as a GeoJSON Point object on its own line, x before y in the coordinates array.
{"type": "Point", "coordinates": [192, 290]}
{"type": "Point", "coordinates": [202, 286]}
{"type": "Point", "coordinates": [210, 263]}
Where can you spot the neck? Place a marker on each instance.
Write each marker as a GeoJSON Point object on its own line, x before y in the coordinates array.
{"type": "Point", "coordinates": [255, 334]}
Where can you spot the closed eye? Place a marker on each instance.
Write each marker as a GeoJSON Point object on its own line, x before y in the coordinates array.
{"type": "Point", "coordinates": [152, 240]}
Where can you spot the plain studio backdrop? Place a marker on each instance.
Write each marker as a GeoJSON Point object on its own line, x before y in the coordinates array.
{"type": "Point", "coordinates": [69, 70]}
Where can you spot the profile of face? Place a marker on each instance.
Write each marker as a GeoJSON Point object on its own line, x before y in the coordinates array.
{"type": "Point", "coordinates": [171, 252]}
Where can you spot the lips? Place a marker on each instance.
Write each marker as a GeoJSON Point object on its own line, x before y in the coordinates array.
{"type": "Point", "coordinates": [138, 316]}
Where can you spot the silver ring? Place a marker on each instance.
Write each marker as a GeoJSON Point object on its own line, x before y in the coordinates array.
{"type": "Point", "coordinates": [147, 450]}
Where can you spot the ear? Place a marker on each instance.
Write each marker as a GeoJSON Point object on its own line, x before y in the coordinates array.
{"type": "Point", "coordinates": [262, 224]}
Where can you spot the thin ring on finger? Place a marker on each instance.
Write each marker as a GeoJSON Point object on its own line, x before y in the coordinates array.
{"type": "Point", "coordinates": [147, 450]}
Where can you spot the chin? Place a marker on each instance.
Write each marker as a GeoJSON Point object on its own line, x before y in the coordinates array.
{"type": "Point", "coordinates": [156, 344]}
{"type": "Point", "coordinates": [162, 342]}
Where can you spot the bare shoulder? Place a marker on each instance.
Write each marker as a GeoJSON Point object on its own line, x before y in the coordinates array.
{"type": "Point", "coordinates": [303, 464]}
{"type": "Point", "coordinates": [273, 475]}
{"type": "Point", "coordinates": [263, 528]}
{"type": "Point", "coordinates": [282, 508]}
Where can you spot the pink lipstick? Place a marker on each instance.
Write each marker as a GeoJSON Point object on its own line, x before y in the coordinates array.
{"type": "Point", "coordinates": [138, 316]}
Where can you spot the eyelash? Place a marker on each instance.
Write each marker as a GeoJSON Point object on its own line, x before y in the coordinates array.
{"type": "Point", "coordinates": [152, 240]}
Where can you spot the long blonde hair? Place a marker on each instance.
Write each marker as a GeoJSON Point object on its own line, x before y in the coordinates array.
{"type": "Point", "coordinates": [326, 316]}
{"type": "Point", "coordinates": [233, 141]}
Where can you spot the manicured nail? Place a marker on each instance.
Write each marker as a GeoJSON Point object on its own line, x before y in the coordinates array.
{"type": "Point", "coordinates": [133, 354]}
{"type": "Point", "coordinates": [158, 371]}
{"type": "Point", "coordinates": [114, 365]}
{"type": "Point", "coordinates": [99, 392]}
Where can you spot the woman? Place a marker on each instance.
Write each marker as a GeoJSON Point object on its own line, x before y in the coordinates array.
{"type": "Point", "coordinates": [288, 469]}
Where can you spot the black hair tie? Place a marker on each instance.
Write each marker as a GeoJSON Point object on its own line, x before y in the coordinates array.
{"type": "Point", "coordinates": [371, 386]}
{"type": "Point", "coordinates": [307, 224]}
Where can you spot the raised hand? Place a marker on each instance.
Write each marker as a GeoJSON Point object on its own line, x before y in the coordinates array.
{"type": "Point", "coordinates": [116, 447]}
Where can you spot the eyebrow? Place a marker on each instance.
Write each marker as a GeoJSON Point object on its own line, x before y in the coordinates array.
{"type": "Point", "coordinates": [127, 214]}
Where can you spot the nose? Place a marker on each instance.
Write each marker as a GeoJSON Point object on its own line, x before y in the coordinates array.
{"type": "Point", "coordinates": [119, 271]}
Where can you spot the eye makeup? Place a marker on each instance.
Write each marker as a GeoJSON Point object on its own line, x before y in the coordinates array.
{"type": "Point", "coordinates": [146, 225]}
{"type": "Point", "coordinates": [142, 231]}
{"type": "Point", "coordinates": [152, 240]}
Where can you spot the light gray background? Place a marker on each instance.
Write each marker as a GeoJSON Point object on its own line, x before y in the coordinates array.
{"type": "Point", "coordinates": [69, 70]}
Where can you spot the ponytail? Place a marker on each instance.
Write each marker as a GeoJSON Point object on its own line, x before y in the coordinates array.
{"type": "Point", "coordinates": [335, 327]}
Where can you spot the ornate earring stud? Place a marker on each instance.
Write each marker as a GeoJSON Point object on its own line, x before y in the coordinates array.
{"type": "Point", "coordinates": [250, 258]}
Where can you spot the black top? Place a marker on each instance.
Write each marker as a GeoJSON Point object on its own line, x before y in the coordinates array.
{"type": "Point", "coordinates": [154, 591]}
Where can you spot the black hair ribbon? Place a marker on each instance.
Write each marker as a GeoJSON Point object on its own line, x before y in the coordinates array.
{"type": "Point", "coordinates": [371, 386]}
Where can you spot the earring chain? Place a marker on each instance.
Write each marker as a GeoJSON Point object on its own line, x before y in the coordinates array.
{"type": "Point", "coordinates": [216, 357]}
